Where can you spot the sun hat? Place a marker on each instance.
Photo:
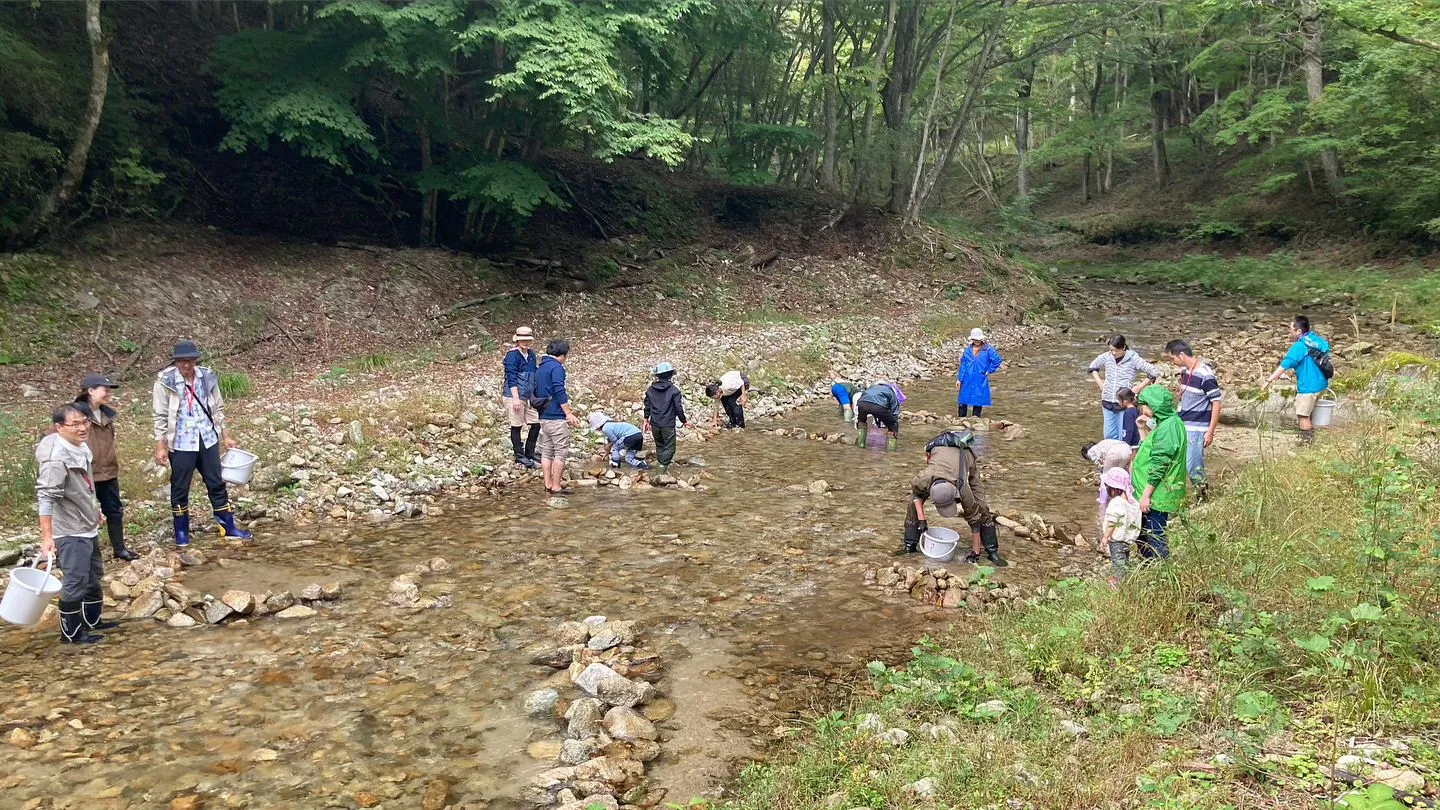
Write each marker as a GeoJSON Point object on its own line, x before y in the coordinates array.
{"type": "Point", "coordinates": [598, 420]}
{"type": "Point", "coordinates": [944, 494]}
{"type": "Point", "coordinates": [97, 381]}
{"type": "Point", "coordinates": [663, 368]}
{"type": "Point", "coordinates": [1117, 477]}
{"type": "Point", "coordinates": [977, 334]}
{"type": "Point", "coordinates": [185, 350]}
{"type": "Point", "coordinates": [522, 333]}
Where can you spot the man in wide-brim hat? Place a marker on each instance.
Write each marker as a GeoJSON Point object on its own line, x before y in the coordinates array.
{"type": "Point", "coordinates": [520, 367]}
{"type": "Point", "coordinates": [189, 431]}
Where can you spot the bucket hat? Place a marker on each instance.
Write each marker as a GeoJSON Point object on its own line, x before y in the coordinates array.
{"type": "Point", "coordinates": [1117, 477]}
{"type": "Point", "coordinates": [186, 350]}
{"type": "Point", "coordinates": [97, 381]}
{"type": "Point", "coordinates": [664, 368]}
{"type": "Point", "coordinates": [598, 420]}
{"type": "Point", "coordinates": [977, 334]}
{"type": "Point", "coordinates": [944, 495]}
{"type": "Point", "coordinates": [522, 333]}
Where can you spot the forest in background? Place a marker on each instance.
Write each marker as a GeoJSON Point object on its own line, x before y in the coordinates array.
{"type": "Point", "coordinates": [457, 123]}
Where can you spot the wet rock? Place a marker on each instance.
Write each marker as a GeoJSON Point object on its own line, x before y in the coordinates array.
{"type": "Point", "coordinates": [403, 591]}
{"type": "Point", "coordinates": [603, 640]}
{"type": "Point", "coordinates": [574, 752]}
{"type": "Point", "coordinates": [242, 602]}
{"type": "Point", "coordinates": [331, 591]}
{"type": "Point", "coordinates": [437, 795]}
{"type": "Point", "coordinates": [627, 631]}
{"type": "Point", "coordinates": [264, 755]}
{"type": "Point", "coordinates": [118, 589]}
{"type": "Point", "coordinates": [644, 750]}
{"type": "Point", "coordinates": [311, 592]}
{"type": "Point", "coordinates": [437, 565]}
{"type": "Point", "coordinates": [22, 738]}
{"type": "Point", "coordinates": [557, 503]}
{"type": "Point", "coordinates": [181, 620]}
{"type": "Point", "coordinates": [621, 691]}
{"type": "Point", "coordinates": [145, 605]}
{"type": "Point", "coordinates": [543, 750]}
{"type": "Point", "coordinates": [543, 787]}
{"type": "Point", "coordinates": [190, 802]}
{"type": "Point", "coordinates": [618, 773]}
{"type": "Point", "coordinates": [541, 702]}
{"type": "Point", "coordinates": [297, 612]}
{"type": "Point", "coordinates": [553, 657]}
{"type": "Point", "coordinates": [567, 633]}
{"type": "Point", "coordinates": [819, 487]}
{"type": "Point", "coordinates": [277, 602]}
{"type": "Point", "coordinates": [623, 723]}
{"type": "Point", "coordinates": [590, 678]}
{"type": "Point", "coordinates": [216, 612]}
{"type": "Point", "coordinates": [585, 716]}
{"type": "Point", "coordinates": [659, 709]}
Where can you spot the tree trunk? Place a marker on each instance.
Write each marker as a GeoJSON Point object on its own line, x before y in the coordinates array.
{"type": "Point", "coordinates": [899, 90]}
{"type": "Point", "coordinates": [1160, 162]}
{"type": "Point", "coordinates": [61, 194]}
{"type": "Point", "coordinates": [1022, 129]}
{"type": "Point", "coordinates": [862, 159]}
{"type": "Point", "coordinates": [832, 128]}
{"type": "Point", "coordinates": [1312, 32]}
{"type": "Point", "coordinates": [428, 204]}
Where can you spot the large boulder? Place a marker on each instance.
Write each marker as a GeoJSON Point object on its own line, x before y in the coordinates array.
{"type": "Point", "coordinates": [623, 723]}
{"type": "Point", "coordinates": [585, 716]}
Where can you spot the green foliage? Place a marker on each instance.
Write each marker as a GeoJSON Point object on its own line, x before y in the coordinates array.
{"type": "Point", "coordinates": [235, 385]}
{"type": "Point", "coordinates": [511, 191]}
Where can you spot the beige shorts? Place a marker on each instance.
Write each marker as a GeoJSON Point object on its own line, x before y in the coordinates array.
{"type": "Point", "coordinates": [1305, 404]}
{"type": "Point", "coordinates": [554, 440]}
{"type": "Point", "coordinates": [529, 416]}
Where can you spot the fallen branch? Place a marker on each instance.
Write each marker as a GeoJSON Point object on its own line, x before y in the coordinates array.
{"type": "Point", "coordinates": [99, 327]}
{"type": "Point", "coordinates": [125, 369]}
{"type": "Point", "coordinates": [480, 302]}
{"type": "Point", "coordinates": [283, 330]}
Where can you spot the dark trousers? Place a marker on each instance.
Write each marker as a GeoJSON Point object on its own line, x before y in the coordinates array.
{"type": "Point", "coordinates": [1153, 543]}
{"type": "Point", "coordinates": [79, 559]}
{"type": "Point", "coordinates": [733, 410]}
{"type": "Point", "coordinates": [664, 443]}
{"type": "Point", "coordinates": [964, 410]}
{"type": "Point", "coordinates": [183, 464]}
{"type": "Point", "coordinates": [108, 493]}
{"type": "Point", "coordinates": [881, 414]}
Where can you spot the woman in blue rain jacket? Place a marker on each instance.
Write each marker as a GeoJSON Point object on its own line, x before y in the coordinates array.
{"type": "Point", "coordinates": [972, 382]}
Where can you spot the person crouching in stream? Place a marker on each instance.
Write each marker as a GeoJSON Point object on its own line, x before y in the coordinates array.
{"type": "Point", "coordinates": [621, 438]}
{"type": "Point", "coordinates": [951, 481]}
{"type": "Point", "coordinates": [189, 417]}
{"type": "Point", "coordinates": [70, 523]}
{"type": "Point", "coordinates": [844, 394]}
{"type": "Point", "coordinates": [93, 401]}
{"type": "Point", "coordinates": [882, 403]}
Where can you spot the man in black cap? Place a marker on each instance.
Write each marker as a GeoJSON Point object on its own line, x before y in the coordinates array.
{"type": "Point", "coordinates": [189, 429]}
{"type": "Point", "coordinates": [94, 401]}
{"type": "Point", "coordinates": [951, 481]}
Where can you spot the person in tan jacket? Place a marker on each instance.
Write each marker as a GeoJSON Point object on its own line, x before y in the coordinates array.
{"type": "Point", "coordinates": [94, 401]}
{"type": "Point", "coordinates": [189, 432]}
{"type": "Point", "coordinates": [951, 481]}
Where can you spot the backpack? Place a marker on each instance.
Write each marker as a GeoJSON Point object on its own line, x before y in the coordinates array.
{"type": "Point", "coordinates": [1321, 359]}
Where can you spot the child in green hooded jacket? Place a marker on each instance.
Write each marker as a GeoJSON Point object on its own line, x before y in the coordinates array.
{"type": "Point", "coordinates": [1159, 470]}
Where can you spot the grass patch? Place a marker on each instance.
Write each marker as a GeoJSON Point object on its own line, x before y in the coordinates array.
{"type": "Point", "coordinates": [235, 385]}
{"type": "Point", "coordinates": [17, 470]}
{"type": "Point", "coordinates": [1295, 616]}
{"type": "Point", "coordinates": [940, 327]}
{"type": "Point", "coordinates": [1278, 279]}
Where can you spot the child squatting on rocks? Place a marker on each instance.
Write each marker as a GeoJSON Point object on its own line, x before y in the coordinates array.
{"type": "Point", "coordinates": [621, 438]}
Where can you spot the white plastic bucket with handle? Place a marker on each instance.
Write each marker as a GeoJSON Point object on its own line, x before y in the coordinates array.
{"type": "Point", "coordinates": [1324, 412]}
{"type": "Point", "coordinates": [939, 543]}
{"type": "Point", "coordinates": [237, 465]}
{"type": "Point", "coordinates": [30, 590]}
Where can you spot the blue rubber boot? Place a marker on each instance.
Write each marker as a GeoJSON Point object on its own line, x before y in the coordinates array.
{"type": "Point", "coordinates": [226, 518]}
{"type": "Point", "coordinates": [182, 527]}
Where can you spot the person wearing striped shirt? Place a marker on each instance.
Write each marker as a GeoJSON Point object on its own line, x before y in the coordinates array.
{"type": "Point", "coordinates": [1199, 406]}
{"type": "Point", "coordinates": [1116, 368]}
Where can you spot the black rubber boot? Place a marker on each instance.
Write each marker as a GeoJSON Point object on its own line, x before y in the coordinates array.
{"type": "Point", "coordinates": [530, 441]}
{"type": "Point", "coordinates": [115, 527]}
{"type": "Point", "coordinates": [515, 446]}
{"type": "Point", "coordinates": [911, 543]}
{"type": "Point", "coordinates": [90, 612]}
{"type": "Point", "coordinates": [991, 543]}
{"type": "Point", "coordinates": [72, 625]}
{"type": "Point", "coordinates": [1307, 437]}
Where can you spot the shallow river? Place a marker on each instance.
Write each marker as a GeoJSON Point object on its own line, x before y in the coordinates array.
{"type": "Point", "coordinates": [751, 593]}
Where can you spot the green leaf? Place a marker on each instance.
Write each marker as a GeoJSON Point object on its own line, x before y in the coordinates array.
{"type": "Point", "coordinates": [1320, 584]}
{"type": "Point", "coordinates": [1366, 612]}
{"type": "Point", "coordinates": [1314, 643]}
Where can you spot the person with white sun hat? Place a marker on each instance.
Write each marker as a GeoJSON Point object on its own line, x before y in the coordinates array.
{"type": "Point", "coordinates": [972, 382]}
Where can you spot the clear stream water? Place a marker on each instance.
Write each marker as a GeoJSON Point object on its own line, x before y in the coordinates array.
{"type": "Point", "coordinates": [752, 594]}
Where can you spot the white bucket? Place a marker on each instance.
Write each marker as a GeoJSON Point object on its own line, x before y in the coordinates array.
{"type": "Point", "coordinates": [30, 590]}
{"type": "Point", "coordinates": [939, 544]}
{"type": "Point", "coordinates": [1324, 412]}
{"type": "Point", "coordinates": [237, 465]}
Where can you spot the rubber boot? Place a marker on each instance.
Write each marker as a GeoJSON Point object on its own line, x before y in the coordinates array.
{"type": "Point", "coordinates": [72, 625]}
{"type": "Point", "coordinates": [862, 434]}
{"type": "Point", "coordinates": [911, 543]}
{"type": "Point", "coordinates": [1307, 437]}
{"type": "Point", "coordinates": [518, 449]}
{"type": "Point", "coordinates": [182, 527]}
{"type": "Point", "coordinates": [892, 442]}
{"type": "Point", "coordinates": [530, 441]}
{"type": "Point", "coordinates": [991, 543]}
{"type": "Point", "coordinates": [90, 610]}
{"type": "Point", "coordinates": [116, 530]}
{"type": "Point", "coordinates": [225, 518]}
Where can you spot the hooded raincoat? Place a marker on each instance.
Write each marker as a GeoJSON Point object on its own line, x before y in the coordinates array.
{"type": "Point", "coordinates": [1160, 461]}
{"type": "Point", "coordinates": [976, 366]}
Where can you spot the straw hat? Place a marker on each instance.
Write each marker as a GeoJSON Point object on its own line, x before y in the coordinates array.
{"type": "Point", "coordinates": [522, 333]}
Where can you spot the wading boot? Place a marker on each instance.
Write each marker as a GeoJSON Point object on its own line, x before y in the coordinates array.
{"type": "Point", "coordinates": [72, 625]}
{"type": "Point", "coordinates": [182, 527]}
{"type": "Point", "coordinates": [225, 518]}
{"type": "Point", "coordinates": [116, 529]}
{"type": "Point", "coordinates": [911, 542]}
{"type": "Point", "coordinates": [90, 611]}
{"type": "Point", "coordinates": [991, 543]}
{"type": "Point", "coordinates": [519, 449]}
{"type": "Point", "coordinates": [532, 439]}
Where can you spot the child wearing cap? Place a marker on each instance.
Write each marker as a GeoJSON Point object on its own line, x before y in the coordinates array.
{"type": "Point", "coordinates": [1122, 517]}
{"type": "Point", "coordinates": [621, 438]}
{"type": "Point", "coordinates": [664, 408]}
{"type": "Point", "coordinates": [972, 381]}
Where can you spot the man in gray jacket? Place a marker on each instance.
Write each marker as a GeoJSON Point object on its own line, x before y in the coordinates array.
{"type": "Point", "coordinates": [70, 524]}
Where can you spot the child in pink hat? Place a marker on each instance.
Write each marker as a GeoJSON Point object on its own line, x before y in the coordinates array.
{"type": "Point", "coordinates": [1122, 518]}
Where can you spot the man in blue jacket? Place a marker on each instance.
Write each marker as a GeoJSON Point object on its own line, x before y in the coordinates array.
{"type": "Point", "coordinates": [520, 368]}
{"type": "Point", "coordinates": [1310, 381]}
{"type": "Point", "coordinates": [553, 402]}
